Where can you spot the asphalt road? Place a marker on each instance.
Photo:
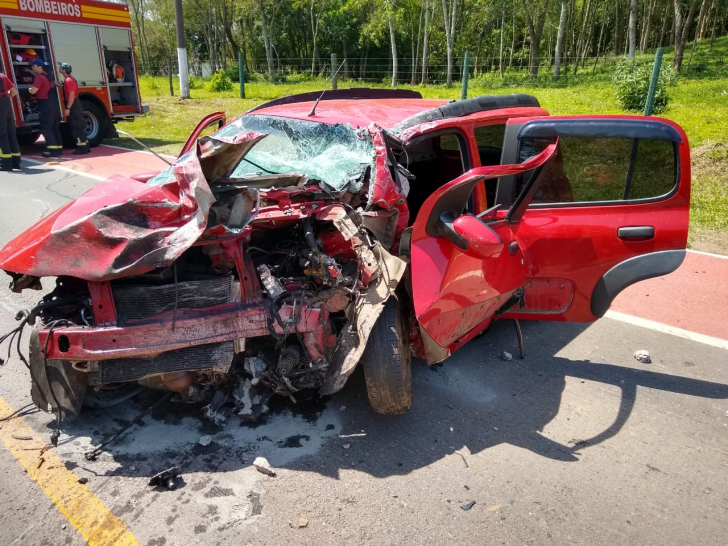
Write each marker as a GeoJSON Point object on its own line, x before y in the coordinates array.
{"type": "Point", "coordinates": [577, 443]}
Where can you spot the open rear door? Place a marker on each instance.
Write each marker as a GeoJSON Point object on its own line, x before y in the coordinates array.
{"type": "Point", "coordinates": [467, 268]}
{"type": "Point", "coordinates": [612, 209]}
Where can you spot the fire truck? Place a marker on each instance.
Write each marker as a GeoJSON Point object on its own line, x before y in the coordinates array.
{"type": "Point", "coordinates": [94, 37]}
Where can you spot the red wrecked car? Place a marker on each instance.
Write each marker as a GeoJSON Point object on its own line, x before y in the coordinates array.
{"type": "Point", "coordinates": [304, 237]}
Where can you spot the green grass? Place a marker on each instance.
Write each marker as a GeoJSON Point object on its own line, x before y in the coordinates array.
{"type": "Point", "coordinates": [700, 106]}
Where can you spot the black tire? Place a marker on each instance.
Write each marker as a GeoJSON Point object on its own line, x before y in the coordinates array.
{"type": "Point", "coordinates": [96, 121]}
{"type": "Point", "coordinates": [28, 139]}
{"type": "Point", "coordinates": [387, 362]}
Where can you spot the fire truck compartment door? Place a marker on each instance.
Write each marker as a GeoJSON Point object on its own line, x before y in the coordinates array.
{"type": "Point", "coordinates": [78, 46]}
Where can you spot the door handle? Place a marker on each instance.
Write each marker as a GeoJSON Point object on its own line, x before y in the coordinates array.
{"type": "Point", "coordinates": [636, 233]}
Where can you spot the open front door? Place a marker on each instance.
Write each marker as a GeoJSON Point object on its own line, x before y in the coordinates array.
{"type": "Point", "coordinates": [467, 268]}
{"type": "Point", "coordinates": [611, 210]}
{"type": "Point", "coordinates": [208, 125]}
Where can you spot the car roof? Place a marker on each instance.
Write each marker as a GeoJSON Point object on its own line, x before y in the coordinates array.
{"type": "Point", "coordinates": [358, 112]}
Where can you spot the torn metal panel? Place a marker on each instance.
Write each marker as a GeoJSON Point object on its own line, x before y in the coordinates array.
{"type": "Point", "coordinates": [363, 313]}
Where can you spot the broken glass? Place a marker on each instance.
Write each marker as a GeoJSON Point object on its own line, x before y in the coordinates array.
{"type": "Point", "coordinates": [336, 155]}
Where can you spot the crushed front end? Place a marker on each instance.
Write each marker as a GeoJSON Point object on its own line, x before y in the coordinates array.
{"type": "Point", "coordinates": [238, 273]}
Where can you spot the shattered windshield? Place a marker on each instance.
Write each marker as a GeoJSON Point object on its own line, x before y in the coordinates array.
{"type": "Point", "coordinates": [337, 155]}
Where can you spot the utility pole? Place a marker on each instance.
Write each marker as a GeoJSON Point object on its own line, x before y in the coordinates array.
{"type": "Point", "coordinates": [184, 77]}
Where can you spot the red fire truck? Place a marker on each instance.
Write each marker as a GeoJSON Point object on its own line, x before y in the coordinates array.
{"type": "Point", "coordinates": [92, 36]}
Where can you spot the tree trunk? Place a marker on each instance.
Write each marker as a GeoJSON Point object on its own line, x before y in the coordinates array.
{"type": "Point", "coordinates": [666, 18]}
{"type": "Point", "coordinates": [632, 29]}
{"type": "Point", "coordinates": [560, 39]}
{"type": "Point", "coordinates": [647, 24]}
{"type": "Point", "coordinates": [425, 43]}
{"type": "Point", "coordinates": [617, 26]}
{"type": "Point", "coordinates": [450, 18]}
{"type": "Point", "coordinates": [682, 31]}
{"type": "Point", "coordinates": [392, 38]}
{"type": "Point", "coordinates": [513, 41]}
{"type": "Point", "coordinates": [535, 31]}
{"type": "Point", "coordinates": [703, 7]}
{"type": "Point", "coordinates": [267, 40]}
{"type": "Point", "coordinates": [580, 44]}
{"type": "Point", "coordinates": [502, 31]}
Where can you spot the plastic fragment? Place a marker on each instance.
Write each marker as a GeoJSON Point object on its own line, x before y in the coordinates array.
{"type": "Point", "coordinates": [468, 505]}
{"type": "Point", "coordinates": [643, 356]}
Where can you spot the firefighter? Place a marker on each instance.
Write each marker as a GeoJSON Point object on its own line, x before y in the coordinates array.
{"type": "Point", "coordinates": [50, 114]}
{"type": "Point", "coordinates": [9, 149]}
{"type": "Point", "coordinates": [73, 112]}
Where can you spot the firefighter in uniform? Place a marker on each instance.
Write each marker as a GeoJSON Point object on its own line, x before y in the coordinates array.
{"type": "Point", "coordinates": [9, 149]}
{"type": "Point", "coordinates": [72, 111]}
{"type": "Point", "coordinates": [50, 114]}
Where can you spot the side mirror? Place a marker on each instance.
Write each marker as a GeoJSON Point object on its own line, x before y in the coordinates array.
{"type": "Point", "coordinates": [471, 235]}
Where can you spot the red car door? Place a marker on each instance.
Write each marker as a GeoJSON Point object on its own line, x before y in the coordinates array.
{"type": "Point", "coordinates": [612, 209]}
{"type": "Point", "coordinates": [208, 124]}
{"type": "Point", "coordinates": [467, 268]}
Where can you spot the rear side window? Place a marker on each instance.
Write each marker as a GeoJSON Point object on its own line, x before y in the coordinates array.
{"type": "Point", "coordinates": [596, 169]}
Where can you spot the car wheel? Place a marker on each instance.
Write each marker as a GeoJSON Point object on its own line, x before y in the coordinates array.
{"type": "Point", "coordinates": [96, 120]}
{"type": "Point", "coordinates": [387, 362]}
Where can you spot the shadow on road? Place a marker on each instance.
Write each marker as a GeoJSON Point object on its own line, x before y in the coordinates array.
{"type": "Point", "coordinates": [487, 402]}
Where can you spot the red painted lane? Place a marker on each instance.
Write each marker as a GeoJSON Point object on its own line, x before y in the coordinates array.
{"type": "Point", "coordinates": [103, 161]}
{"type": "Point", "coordinates": [695, 297]}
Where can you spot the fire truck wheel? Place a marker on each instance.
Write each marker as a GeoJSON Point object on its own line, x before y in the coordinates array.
{"type": "Point", "coordinates": [96, 120]}
{"type": "Point", "coordinates": [27, 139]}
{"type": "Point", "coordinates": [387, 362]}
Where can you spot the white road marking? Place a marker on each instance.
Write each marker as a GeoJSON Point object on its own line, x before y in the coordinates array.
{"type": "Point", "coordinates": [708, 254]}
{"type": "Point", "coordinates": [666, 329]}
{"type": "Point", "coordinates": [65, 169]}
{"type": "Point", "coordinates": [133, 150]}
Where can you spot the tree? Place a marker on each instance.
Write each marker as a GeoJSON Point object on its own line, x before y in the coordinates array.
{"type": "Point", "coordinates": [536, 11]}
{"type": "Point", "coordinates": [632, 28]}
{"type": "Point", "coordinates": [425, 42]}
{"type": "Point", "coordinates": [393, 40]}
{"type": "Point", "coordinates": [450, 14]}
{"type": "Point", "coordinates": [682, 29]}
{"type": "Point", "coordinates": [560, 38]}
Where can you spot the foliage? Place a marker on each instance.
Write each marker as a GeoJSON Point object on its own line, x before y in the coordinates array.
{"type": "Point", "coordinates": [220, 82]}
{"type": "Point", "coordinates": [196, 83]}
{"type": "Point", "coordinates": [632, 83]}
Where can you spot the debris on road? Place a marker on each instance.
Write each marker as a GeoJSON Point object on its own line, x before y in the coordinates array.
{"type": "Point", "coordinates": [346, 446]}
{"type": "Point", "coordinates": [507, 356]}
{"type": "Point", "coordinates": [262, 465]}
{"type": "Point", "coordinates": [342, 408]}
{"type": "Point", "coordinates": [166, 478]}
{"type": "Point", "coordinates": [302, 522]}
{"type": "Point", "coordinates": [643, 356]}
{"type": "Point", "coordinates": [468, 505]}
{"type": "Point", "coordinates": [205, 440]}
{"type": "Point", "coordinates": [83, 481]}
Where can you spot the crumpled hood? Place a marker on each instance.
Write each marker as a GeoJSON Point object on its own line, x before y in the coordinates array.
{"type": "Point", "coordinates": [123, 227]}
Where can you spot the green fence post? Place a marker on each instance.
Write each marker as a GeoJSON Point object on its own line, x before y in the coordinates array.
{"type": "Point", "coordinates": [466, 74]}
{"type": "Point", "coordinates": [650, 104]}
{"type": "Point", "coordinates": [333, 72]}
{"type": "Point", "coordinates": [241, 74]}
